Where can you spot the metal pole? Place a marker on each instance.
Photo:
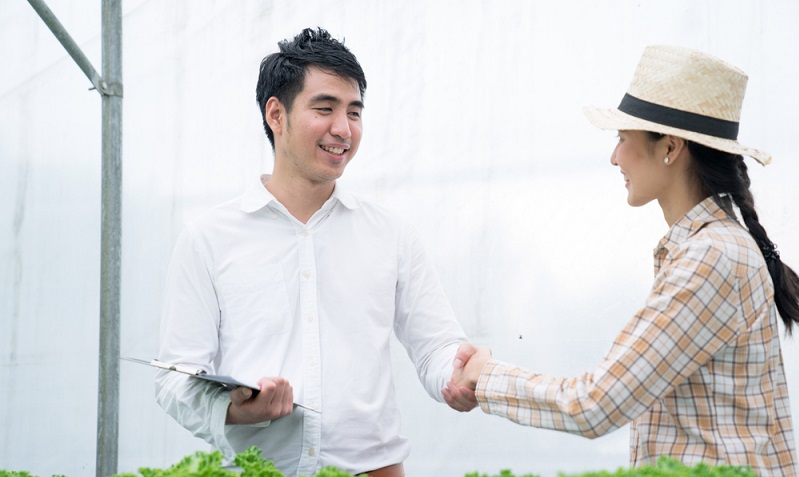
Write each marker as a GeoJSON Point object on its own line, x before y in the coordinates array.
{"type": "Point", "coordinates": [108, 391]}
{"type": "Point", "coordinates": [66, 40]}
{"type": "Point", "coordinates": [110, 89]}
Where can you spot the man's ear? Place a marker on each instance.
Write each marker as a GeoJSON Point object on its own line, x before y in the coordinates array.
{"type": "Point", "coordinates": [275, 115]}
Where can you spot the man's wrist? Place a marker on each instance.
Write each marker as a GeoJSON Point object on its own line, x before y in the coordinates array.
{"type": "Point", "coordinates": [229, 418]}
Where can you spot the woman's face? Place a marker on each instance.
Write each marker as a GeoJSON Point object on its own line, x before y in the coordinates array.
{"type": "Point", "coordinates": [638, 161]}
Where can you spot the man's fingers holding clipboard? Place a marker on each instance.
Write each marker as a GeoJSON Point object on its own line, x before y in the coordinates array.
{"type": "Point", "coordinates": [278, 394]}
{"type": "Point", "coordinates": [239, 395]}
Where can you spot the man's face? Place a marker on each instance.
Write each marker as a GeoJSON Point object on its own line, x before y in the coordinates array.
{"type": "Point", "coordinates": [323, 129]}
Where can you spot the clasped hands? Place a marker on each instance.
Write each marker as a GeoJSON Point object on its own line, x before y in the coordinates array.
{"type": "Point", "coordinates": [468, 364]}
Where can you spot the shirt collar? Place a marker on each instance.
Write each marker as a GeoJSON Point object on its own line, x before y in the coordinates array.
{"type": "Point", "coordinates": [702, 214]}
{"type": "Point", "coordinates": [256, 197]}
{"type": "Point", "coordinates": [346, 198]}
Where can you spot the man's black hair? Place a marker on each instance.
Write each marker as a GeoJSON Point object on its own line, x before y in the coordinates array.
{"type": "Point", "coordinates": [282, 73]}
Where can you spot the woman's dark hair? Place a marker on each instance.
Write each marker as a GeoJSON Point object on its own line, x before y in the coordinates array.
{"type": "Point", "coordinates": [724, 177]}
{"type": "Point", "coordinates": [282, 74]}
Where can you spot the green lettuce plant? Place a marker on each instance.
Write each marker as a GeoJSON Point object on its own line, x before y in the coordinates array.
{"type": "Point", "coordinates": [665, 467]}
{"type": "Point", "coordinates": [209, 464]}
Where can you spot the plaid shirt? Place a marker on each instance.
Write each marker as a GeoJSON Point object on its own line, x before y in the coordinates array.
{"type": "Point", "coordinates": [697, 371]}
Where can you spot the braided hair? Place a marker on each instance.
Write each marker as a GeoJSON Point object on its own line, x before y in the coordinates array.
{"type": "Point", "coordinates": [724, 177]}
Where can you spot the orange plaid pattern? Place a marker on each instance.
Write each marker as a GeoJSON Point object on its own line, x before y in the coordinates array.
{"type": "Point", "coordinates": [697, 371]}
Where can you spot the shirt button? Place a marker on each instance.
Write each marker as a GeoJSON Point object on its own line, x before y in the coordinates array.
{"type": "Point", "coordinates": [311, 452]}
{"type": "Point", "coordinates": [309, 318]}
{"type": "Point", "coordinates": [305, 232]}
{"type": "Point", "coordinates": [306, 274]}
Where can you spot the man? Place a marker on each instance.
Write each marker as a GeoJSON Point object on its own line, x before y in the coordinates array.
{"type": "Point", "coordinates": [297, 285]}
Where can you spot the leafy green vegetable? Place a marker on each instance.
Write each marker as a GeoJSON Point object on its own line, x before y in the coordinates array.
{"type": "Point", "coordinates": [199, 464]}
{"type": "Point", "coordinates": [253, 465]}
{"type": "Point", "coordinates": [332, 472]}
{"type": "Point", "coordinates": [20, 473]}
{"type": "Point", "coordinates": [502, 473]}
{"type": "Point", "coordinates": [666, 467]}
{"type": "Point", "coordinates": [670, 467]}
{"type": "Point", "coordinates": [209, 464]}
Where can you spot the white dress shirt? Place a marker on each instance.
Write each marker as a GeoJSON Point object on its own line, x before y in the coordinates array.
{"type": "Point", "coordinates": [253, 292]}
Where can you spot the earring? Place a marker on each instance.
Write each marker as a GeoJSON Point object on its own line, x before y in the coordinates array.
{"type": "Point", "coordinates": [666, 160]}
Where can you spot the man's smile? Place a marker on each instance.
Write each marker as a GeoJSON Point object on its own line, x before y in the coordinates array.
{"type": "Point", "coordinates": [334, 150]}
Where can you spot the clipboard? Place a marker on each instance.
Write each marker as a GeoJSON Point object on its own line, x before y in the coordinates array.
{"type": "Point", "coordinates": [225, 381]}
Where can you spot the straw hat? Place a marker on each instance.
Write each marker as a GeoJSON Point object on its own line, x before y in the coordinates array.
{"type": "Point", "coordinates": [684, 93]}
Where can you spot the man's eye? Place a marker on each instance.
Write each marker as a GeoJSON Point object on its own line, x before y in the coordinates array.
{"type": "Point", "coordinates": [324, 110]}
{"type": "Point", "coordinates": [355, 114]}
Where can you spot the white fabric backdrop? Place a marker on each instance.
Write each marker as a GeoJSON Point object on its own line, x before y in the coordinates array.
{"type": "Point", "coordinates": [473, 129]}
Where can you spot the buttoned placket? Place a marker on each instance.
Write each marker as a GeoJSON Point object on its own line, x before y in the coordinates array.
{"type": "Point", "coordinates": [309, 314]}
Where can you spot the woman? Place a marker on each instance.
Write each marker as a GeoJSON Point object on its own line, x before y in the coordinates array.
{"type": "Point", "coordinates": [698, 370]}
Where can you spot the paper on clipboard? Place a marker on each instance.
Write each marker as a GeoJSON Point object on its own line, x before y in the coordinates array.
{"type": "Point", "coordinates": [225, 381]}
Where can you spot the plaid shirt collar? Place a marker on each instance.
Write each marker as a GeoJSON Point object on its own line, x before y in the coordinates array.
{"type": "Point", "coordinates": [702, 214]}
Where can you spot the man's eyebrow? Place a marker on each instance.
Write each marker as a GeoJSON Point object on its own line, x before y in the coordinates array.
{"type": "Point", "coordinates": [323, 97]}
{"type": "Point", "coordinates": [329, 98]}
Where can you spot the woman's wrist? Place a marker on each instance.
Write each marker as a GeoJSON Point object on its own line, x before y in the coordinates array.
{"type": "Point", "coordinates": [474, 367]}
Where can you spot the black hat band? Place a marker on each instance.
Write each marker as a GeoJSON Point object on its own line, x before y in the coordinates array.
{"type": "Point", "coordinates": [678, 119]}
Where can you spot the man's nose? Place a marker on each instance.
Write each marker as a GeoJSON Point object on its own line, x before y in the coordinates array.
{"type": "Point", "coordinates": [341, 126]}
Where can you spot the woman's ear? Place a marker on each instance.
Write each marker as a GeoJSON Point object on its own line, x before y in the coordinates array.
{"type": "Point", "coordinates": [675, 146]}
{"type": "Point", "coordinates": [275, 115]}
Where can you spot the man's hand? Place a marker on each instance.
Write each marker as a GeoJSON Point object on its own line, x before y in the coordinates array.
{"type": "Point", "coordinates": [275, 399]}
{"type": "Point", "coordinates": [469, 363]}
{"type": "Point", "coordinates": [458, 397]}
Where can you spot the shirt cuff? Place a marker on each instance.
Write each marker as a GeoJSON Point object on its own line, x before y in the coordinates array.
{"type": "Point", "coordinates": [261, 424]}
{"type": "Point", "coordinates": [483, 382]}
{"type": "Point", "coordinates": [218, 426]}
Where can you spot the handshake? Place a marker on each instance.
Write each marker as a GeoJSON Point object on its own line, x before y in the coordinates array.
{"type": "Point", "coordinates": [469, 362]}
